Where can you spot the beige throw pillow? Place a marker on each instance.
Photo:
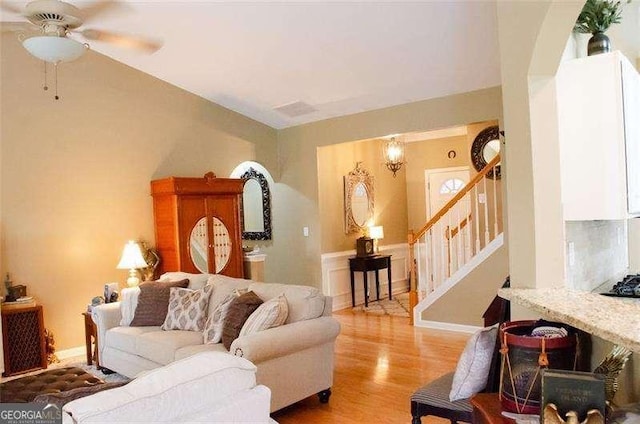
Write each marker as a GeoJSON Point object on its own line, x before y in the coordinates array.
{"type": "Point", "coordinates": [473, 366]}
{"type": "Point", "coordinates": [215, 320]}
{"type": "Point", "coordinates": [187, 309]}
{"type": "Point", "coordinates": [271, 313]}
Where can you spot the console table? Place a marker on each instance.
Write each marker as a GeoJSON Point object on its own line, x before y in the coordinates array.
{"type": "Point", "coordinates": [365, 264]}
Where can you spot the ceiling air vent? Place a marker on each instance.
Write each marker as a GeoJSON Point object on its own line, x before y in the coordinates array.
{"type": "Point", "coordinates": [295, 109]}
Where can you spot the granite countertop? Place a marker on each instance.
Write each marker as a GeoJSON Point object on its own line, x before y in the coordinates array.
{"type": "Point", "coordinates": [611, 318]}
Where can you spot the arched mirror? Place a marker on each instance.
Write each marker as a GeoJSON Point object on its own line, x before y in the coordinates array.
{"type": "Point", "coordinates": [358, 199]}
{"type": "Point", "coordinates": [256, 206]}
{"type": "Point", "coordinates": [199, 241]}
{"type": "Point", "coordinates": [485, 147]}
{"type": "Point", "coordinates": [198, 245]}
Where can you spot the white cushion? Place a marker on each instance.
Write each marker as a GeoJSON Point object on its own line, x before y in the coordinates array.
{"type": "Point", "coordinates": [167, 393]}
{"type": "Point", "coordinates": [161, 346]}
{"type": "Point", "coordinates": [304, 302]}
{"type": "Point", "coordinates": [196, 281]}
{"type": "Point", "coordinates": [125, 338]}
{"type": "Point", "coordinates": [186, 351]}
{"type": "Point", "coordinates": [271, 313]}
{"type": "Point", "coordinates": [128, 304]}
{"type": "Point", "coordinates": [473, 366]}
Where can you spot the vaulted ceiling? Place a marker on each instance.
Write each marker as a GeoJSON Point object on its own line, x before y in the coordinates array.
{"type": "Point", "coordinates": [336, 58]}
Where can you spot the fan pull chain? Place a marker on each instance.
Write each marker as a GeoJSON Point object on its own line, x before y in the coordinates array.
{"type": "Point", "coordinates": [45, 75]}
{"type": "Point", "coordinates": [56, 80]}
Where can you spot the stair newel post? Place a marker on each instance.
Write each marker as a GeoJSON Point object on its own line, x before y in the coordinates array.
{"type": "Point", "coordinates": [477, 219]}
{"type": "Point", "coordinates": [413, 294]}
{"type": "Point", "coordinates": [495, 202]}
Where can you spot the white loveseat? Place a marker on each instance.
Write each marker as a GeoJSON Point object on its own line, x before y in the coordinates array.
{"type": "Point", "coordinates": [210, 387]}
{"type": "Point", "coordinates": [294, 360]}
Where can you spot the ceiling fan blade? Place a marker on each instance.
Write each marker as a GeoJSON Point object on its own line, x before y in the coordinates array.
{"type": "Point", "coordinates": [91, 11]}
{"type": "Point", "coordinates": [17, 27]}
{"type": "Point", "coordinates": [124, 40]}
{"type": "Point", "coordinates": [7, 7]}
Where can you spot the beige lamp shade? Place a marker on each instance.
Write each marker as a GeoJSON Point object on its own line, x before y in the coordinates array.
{"type": "Point", "coordinates": [376, 232]}
{"type": "Point", "coordinates": [132, 260]}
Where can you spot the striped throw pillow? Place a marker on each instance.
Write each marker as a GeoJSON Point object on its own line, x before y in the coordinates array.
{"type": "Point", "coordinates": [271, 313]}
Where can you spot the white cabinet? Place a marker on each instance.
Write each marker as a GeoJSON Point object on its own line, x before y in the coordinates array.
{"type": "Point", "coordinates": [599, 129]}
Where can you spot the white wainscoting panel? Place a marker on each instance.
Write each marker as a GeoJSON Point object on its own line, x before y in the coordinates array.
{"type": "Point", "coordinates": [336, 281]}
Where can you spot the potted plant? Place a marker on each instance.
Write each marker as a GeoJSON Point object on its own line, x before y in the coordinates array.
{"type": "Point", "coordinates": [595, 18]}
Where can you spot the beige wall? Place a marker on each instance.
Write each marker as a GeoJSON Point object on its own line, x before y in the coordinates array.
{"type": "Point", "coordinates": [75, 172]}
{"type": "Point", "coordinates": [297, 148]}
{"type": "Point", "coordinates": [390, 196]}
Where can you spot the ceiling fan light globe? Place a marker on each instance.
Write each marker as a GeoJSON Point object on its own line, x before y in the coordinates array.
{"type": "Point", "coordinates": [54, 49]}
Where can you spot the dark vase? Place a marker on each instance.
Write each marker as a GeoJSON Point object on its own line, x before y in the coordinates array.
{"type": "Point", "coordinates": [599, 43]}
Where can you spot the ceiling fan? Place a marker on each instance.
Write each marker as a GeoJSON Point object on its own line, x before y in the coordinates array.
{"type": "Point", "coordinates": [47, 35]}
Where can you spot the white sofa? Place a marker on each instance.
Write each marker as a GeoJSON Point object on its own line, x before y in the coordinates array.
{"type": "Point", "coordinates": [294, 360]}
{"type": "Point", "coordinates": [207, 387]}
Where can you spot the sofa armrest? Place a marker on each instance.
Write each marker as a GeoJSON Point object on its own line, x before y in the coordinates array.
{"type": "Point", "coordinates": [105, 316]}
{"type": "Point", "coordinates": [280, 341]}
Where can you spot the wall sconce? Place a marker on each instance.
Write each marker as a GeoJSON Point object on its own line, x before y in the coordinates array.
{"type": "Point", "coordinates": [376, 233]}
{"type": "Point", "coordinates": [132, 260]}
{"type": "Point", "coordinates": [394, 155]}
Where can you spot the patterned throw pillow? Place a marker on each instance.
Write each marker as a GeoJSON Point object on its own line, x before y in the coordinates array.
{"type": "Point", "coordinates": [187, 309]}
{"type": "Point", "coordinates": [153, 301]}
{"type": "Point", "coordinates": [473, 366]}
{"type": "Point", "coordinates": [271, 313]}
{"type": "Point", "coordinates": [215, 320]}
{"type": "Point", "coordinates": [239, 310]}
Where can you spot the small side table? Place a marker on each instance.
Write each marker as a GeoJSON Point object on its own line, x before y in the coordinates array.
{"type": "Point", "coordinates": [91, 336]}
{"type": "Point", "coordinates": [365, 264]}
{"type": "Point", "coordinates": [487, 409]}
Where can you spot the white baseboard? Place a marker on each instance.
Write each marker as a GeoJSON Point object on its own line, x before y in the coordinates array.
{"type": "Point", "coordinates": [448, 326]}
{"type": "Point", "coordinates": [70, 353]}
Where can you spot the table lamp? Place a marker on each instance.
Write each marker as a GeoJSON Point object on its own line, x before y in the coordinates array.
{"type": "Point", "coordinates": [376, 232]}
{"type": "Point", "coordinates": [132, 260]}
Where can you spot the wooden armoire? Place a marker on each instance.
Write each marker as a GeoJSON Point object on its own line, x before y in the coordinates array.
{"type": "Point", "coordinates": [198, 224]}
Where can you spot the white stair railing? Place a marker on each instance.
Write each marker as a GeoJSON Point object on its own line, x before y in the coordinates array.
{"type": "Point", "coordinates": [455, 234]}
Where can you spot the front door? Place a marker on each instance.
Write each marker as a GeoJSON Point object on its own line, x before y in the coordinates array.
{"type": "Point", "coordinates": [450, 237]}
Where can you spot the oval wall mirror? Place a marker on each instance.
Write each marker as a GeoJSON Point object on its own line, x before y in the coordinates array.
{"type": "Point", "coordinates": [256, 206]}
{"type": "Point", "coordinates": [358, 199]}
{"type": "Point", "coordinates": [198, 245]}
{"type": "Point", "coordinates": [360, 204]}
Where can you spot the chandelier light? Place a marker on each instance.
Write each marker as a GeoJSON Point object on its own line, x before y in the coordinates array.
{"type": "Point", "coordinates": [394, 155]}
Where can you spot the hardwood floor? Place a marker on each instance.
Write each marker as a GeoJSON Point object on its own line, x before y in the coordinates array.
{"type": "Point", "coordinates": [380, 361]}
